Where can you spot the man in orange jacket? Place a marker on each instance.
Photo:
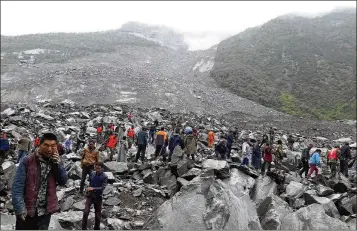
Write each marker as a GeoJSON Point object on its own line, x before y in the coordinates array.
{"type": "Point", "coordinates": [210, 139]}
{"type": "Point", "coordinates": [131, 136]}
{"type": "Point", "coordinates": [112, 143]}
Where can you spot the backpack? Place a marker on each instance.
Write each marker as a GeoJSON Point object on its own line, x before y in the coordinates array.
{"type": "Point", "coordinates": [173, 142]}
{"type": "Point", "coordinates": [220, 147]}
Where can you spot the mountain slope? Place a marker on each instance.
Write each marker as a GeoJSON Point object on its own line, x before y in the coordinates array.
{"type": "Point", "coordinates": [305, 67]}
{"type": "Point", "coordinates": [122, 66]}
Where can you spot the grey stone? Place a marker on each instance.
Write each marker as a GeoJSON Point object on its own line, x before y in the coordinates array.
{"type": "Point", "coordinates": [112, 201]}
{"type": "Point", "coordinates": [220, 167]}
{"type": "Point", "coordinates": [192, 173]}
{"type": "Point", "coordinates": [264, 187]}
{"type": "Point", "coordinates": [67, 203]}
{"type": "Point", "coordinates": [116, 167]}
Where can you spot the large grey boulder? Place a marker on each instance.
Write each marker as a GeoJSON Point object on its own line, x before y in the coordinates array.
{"type": "Point", "coordinates": [295, 189]}
{"type": "Point", "coordinates": [72, 219]}
{"type": "Point", "coordinates": [7, 221]}
{"type": "Point", "coordinates": [312, 217]}
{"type": "Point", "coordinates": [264, 188]}
{"type": "Point", "coordinates": [240, 183]}
{"type": "Point", "coordinates": [116, 167]}
{"type": "Point", "coordinates": [324, 191]}
{"type": "Point", "coordinates": [271, 211]}
{"type": "Point", "coordinates": [348, 205]}
{"type": "Point", "coordinates": [220, 167]}
{"type": "Point", "coordinates": [192, 173]}
{"type": "Point", "coordinates": [205, 203]}
{"type": "Point", "coordinates": [328, 205]}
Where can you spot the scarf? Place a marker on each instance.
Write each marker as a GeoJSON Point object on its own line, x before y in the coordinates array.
{"type": "Point", "coordinates": [41, 203]}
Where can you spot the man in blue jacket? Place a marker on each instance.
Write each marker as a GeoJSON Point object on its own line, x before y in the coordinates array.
{"type": "Point", "coordinates": [142, 143]}
{"type": "Point", "coordinates": [4, 147]}
{"type": "Point", "coordinates": [97, 183]}
{"type": "Point", "coordinates": [314, 162]}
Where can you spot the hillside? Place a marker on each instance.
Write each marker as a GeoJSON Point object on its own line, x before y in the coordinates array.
{"type": "Point", "coordinates": [302, 66]}
{"type": "Point", "coordinates": [145, 66]}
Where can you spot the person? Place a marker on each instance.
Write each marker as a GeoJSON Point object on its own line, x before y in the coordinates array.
{"type": "Point", "coordinates": [90, 156]}
{"type": "Point", "coordinates": [60, 149]}
{"type": "Point", "coordinates": [229, 144]}
{"type": "Point", "coordinates": [161, 140]}
{"type": "Point", "coordinates": [245, 152]}
{"type": "Point", "coordinates": [156, 122]}
{"type": "Point", "coordinates": [256, 159]}
{"type": "Point", "coordinates": [122, 150]}
{"type": "Point", "coordinates": [111, 127]}
{"type": "Point", "coordinates": [332, 159]}
{"type": "Point", "coordinates": [98, 180]}
{"type": "Point", "coordinates": [99, 129]}
{"type": "Point", "coordinates": [190, 145]}
{"type": "Point", "coordinates": [344, 158]}
{"type": "Point", "coordinates": [4, 147]}
{"type": "Point", "coordinates": [279, 154]}
{"type": "Point", "coordinates": [130, 135]}
{"type": "Point", "coordinates": [152, 134]}
{"type": "Point", "coordinates": [142, 143]}
{"type": "Point", "coordinates": [175, 140]}
{"type": "Point", "coordinates": [121, 132]}
{"type": "Point", "coordinates": [291, 142]}
{"type": "Point", "coordinates": [34, 186]}
{"type": "Point", "coordinates": [314, 161]}
{"type": "Point", "coordinates": [235, 133]}
{"type": "Point", "coordinates": [68, 144]}
{"type": "Point", "coordinates": [210, 139]}
{"type": "Point", "coordinates": [83, 128]}
{"type": "Point", "coordinates": [265, 140]}
{"type": "Point", "coordinates": [130, 117]}
{"type": "Point", "coordinates": [195, 133]}
{"type": "Point", "coordinates": [268, 157]}
{"type": "Point", "coordinates": [111, 144]}
{"type": "Point", "coordinates": [36, 143]}
{"type": "Point", "coordinates": [23, 147]}
{"type": "Point", "coordinates": [80, 140]}
{"type": "Point", "coordinates": [305, 156]}
{"type": "Point", "coordinates": [221, 148]}
{"type": "Point", "coordinates": [271, 135]}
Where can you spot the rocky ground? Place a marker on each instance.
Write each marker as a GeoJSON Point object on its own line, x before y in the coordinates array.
{"type": "Point", "coordinates": [186, 194]}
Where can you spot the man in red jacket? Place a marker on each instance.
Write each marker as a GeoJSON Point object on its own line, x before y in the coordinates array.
{"type": "Point", "coordinates": [34, 187]}
{"type": "Point", "coordinates": [112, 143]}
{"type": "Point", "coordinates": [268, 157]}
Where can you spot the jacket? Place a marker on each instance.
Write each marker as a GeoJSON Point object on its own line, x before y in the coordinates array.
{"type": "Point", "coordinates": [190, 144]}
{"type": "Point", "coordinates": [112, 142]}
{"type": "Point", "coordinates": [89, 157]}
{"type": "Point", "coordinates": [26, 183]}
{"type": "Point", "coordinates": [315, 159]}
{"type": "Point", "coordinates": [333, 154]}
{"type": "Point", "coordinates": [161, 138]}
{"type": "Point", "coordinates": [211, 135]}
{"type": "Point", "coordinates": [98, 182]}
{"type": "Point", "coordinates": [305, 154]}
{"type": "Point", "coordinates": [345, 152]}
{"type": "Point", "coordinates": [99, 129]}
{"type": "Point", "coordinates": [37, 142]}
{"type": "Point", "coordinates": [175, 140]}
{"type": "Point", "coordinates": [4, 144]}
{"type": "Point", "coordinates": [131, 133]}
{"type": "Point", "coordinates": [221, 146]}
{"type": "Point", "coordinates": [142, 138]}
{"type": "Point", "coordinates": [229, 140]}
{"type": "Point", "coordinates": [268, 155]}
{"type": "Point", "coordinates": [291, 140]}
{"type": "Point", "coordinates": [24, 145]}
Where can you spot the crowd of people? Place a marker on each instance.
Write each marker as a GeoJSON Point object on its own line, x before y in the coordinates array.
{"type": "Point", "coordinates": [41, 168]}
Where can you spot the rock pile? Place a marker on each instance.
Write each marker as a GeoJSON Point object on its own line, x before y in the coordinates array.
{"type": "Point", "coordinates": [184, 194]}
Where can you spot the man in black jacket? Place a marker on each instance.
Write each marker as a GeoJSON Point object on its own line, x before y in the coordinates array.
{"type": "Point", "coordinates": [142, 143]}
{"type": "Point", "coordinates": [305, 156]}
{"type": "Point", "coordinates": [97, 183]}
{"type": "Point", "coordinates": [344, 158]}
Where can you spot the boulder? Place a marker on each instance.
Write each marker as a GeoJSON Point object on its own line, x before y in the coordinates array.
{"type": "Point", "coordinates": [271, 211]}
{"type": "Point", "coordinates": [205, 203]}
{"type": "Point", "coordinates": [112, 201]}
{"type": "Point", "coordinates": [80, 205]}
{"type": "Point", "coordinates": [312, 217]}
{"type": "Point", "coordinates": [324, 191]}
{"type": "Point", "coordinates": [110, 176]}
{"type": "Point", "coordinates": [166, 178]}
{"type": "Point", "coordinates": [176, 155]}
{"type": "Point", "coordinates": [54, 224]}
{"type": "Point", "coordinates": [116, 224]}
{"type": "Point", "coordinates": [9, 170]}
{"type": "Point", "coordinates": [149, 179]}
{"type": "Point", "coordinates": [328, 205]}
{"type": "Point", "coordinates": [240, 183]}
{"type": "Point", "coordinates": [220, 167]}
{"type": "Point", "coordinates": [75, 171]}
{"type": "Point", "coordinates": [72, 219]}
{"type": "Point", "coordinates": [251, 172]}
{"type": "Point", "coordinates": [7, 221]}
{"type": "Point", "coordinates": [295, 189]}
{"type": "Point", "coordinates": [348, 205]}
{"type": "Point", "coordinates": [192, 173]}
{"type": "Point", "coordinates": [67, 203]}
{"type": "Point", "coordinates": [264, 188]}
{"type": "Point", "coordinates": [341, 185]}
{"type": "Point", "coordinates": [116, 167]}
{"type": "Point", "coordinates": [182, 167]}
{"type": "Point", "coordinates": [182, 181]}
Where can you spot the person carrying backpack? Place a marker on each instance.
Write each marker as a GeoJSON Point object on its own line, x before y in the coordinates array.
{"type": "Point", "coordinates": [268, 157]}
{"type": "Point", "coordinates": [175, 140]}
{"type": "Point", "coordinates": [332, 159]}
{"type": "Point", "coordinates": [305, 156]}
{"type": "Point", "coordinates": [314, 162]}
{"type": "Point", "coordinates": [221, 148]}
{"type": "Point", "coordinates": [190, 145]}
{"type": "Point", "coordinates": [161, 141]}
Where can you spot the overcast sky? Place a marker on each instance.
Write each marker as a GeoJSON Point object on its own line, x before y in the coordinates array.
{"type": "Point", "coordinates": [225, 18]}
